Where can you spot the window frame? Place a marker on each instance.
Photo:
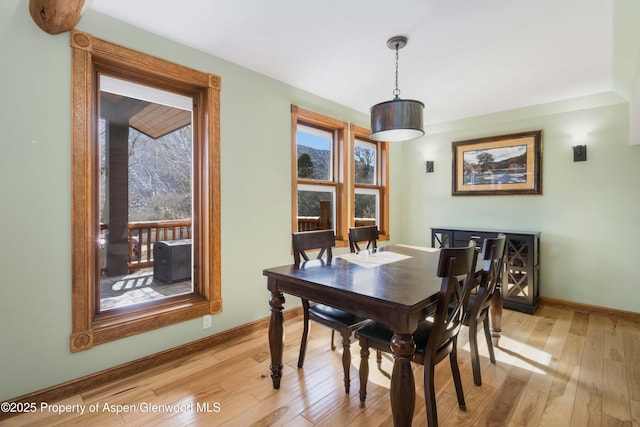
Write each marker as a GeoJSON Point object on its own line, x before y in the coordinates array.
{"type": "Point", "coordinates": [382, 178]}
{"type": "Point", "coordinates": [339, 130]}
{"type": "Point", "coordinates": [89, 327]}
{"type": "Point", "coordinates": [345, 135]}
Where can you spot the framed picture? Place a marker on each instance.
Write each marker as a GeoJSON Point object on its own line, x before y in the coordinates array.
{"type": "Point", "coordinates": [505, 164]}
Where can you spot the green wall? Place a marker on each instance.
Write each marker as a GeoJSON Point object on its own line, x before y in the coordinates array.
{"type": "Point", "coordinates": [35, 197]}
{"type": "Point", "coordinates": [587, 213]}
{"type": "Point", "coordinates": [587, 209]}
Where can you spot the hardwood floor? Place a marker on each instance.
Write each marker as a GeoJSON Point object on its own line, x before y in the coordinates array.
{"type": "Point", "coordinates": [555, 368]}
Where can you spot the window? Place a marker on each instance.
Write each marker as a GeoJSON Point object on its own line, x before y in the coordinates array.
{"type": "Point", "coordinates": [318, 151]}
{"type": "Point", "coordinates": [339, 176]}
{"type": "Point", "coordinates": [118, 223]}
{"type": "Point", "coordinates": [145, 162]}
{"type": "Point", "coordinates": [370, 181]}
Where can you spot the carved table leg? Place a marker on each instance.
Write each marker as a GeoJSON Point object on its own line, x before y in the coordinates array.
{"type": "Point", "coordinates": [495, 312]}
{"type": "Point", "coordinates": [276, 336]}
{"type": "Point", "coordinates": [346, 361]}
{"type": "Point", "coordinates": [403, 389]}
{"type": "Point", "coordinates": [364, 374]}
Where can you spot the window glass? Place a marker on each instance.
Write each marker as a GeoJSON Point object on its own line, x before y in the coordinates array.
{"type": "Point", "coordinates": [145, 194]}
{"type": "Point", "coordinates": [365, 162]}
{"type": "Point", "coordinates": [366, 207]}
{"type": "Point", "coordinates": [315, 208]}
{"type": "Point", "coordinates": [314, 153]}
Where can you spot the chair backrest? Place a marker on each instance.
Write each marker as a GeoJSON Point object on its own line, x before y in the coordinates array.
{"type": "Point", "coordinates": [367, 234]}
{"type": "Point", "coordinates": [321, 240]}
{"type": "Point", "coordinates": [492, 257]}
{"type": "Point", "coordinates": [455, 265]}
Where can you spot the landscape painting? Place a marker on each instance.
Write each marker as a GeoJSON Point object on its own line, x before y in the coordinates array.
{"type": "Point", "coordinates": [505, 164]}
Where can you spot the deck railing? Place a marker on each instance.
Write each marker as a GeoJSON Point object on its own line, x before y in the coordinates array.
{"type": "Point", "coordinates": [310, 223]}
{"type": "Point", "coordinates": [143, 234]}
{"type": "Point", "coordinates": [324, 221]}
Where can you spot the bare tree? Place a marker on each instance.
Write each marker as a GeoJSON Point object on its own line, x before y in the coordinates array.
{"type": "Point", "coordinates": [364, 168]}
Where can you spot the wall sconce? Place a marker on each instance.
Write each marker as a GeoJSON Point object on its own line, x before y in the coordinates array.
{"type": "Point", "coordinates": [579, 153]}
{"type": "Point", "coordinates": [429, 165]}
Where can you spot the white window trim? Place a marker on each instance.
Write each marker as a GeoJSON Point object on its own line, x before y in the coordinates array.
{"type": "Point", "coordinates": [374, 192]}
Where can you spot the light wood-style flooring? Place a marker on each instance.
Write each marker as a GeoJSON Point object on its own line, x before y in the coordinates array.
{"type": "Point", "coordinates": [555, 368]}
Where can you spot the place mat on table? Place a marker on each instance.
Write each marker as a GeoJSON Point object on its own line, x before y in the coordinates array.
{"type": "Point", "coordinates": [420, 248]}
{"type": "Point", "coordinates": [367, 259]}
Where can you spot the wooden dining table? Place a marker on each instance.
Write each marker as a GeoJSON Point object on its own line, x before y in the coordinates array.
{"type": "Point", "coordinates": [395, 285]}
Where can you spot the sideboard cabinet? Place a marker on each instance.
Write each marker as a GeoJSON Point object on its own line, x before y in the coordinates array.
{"type": "Point", "coordinates": [520, 277]}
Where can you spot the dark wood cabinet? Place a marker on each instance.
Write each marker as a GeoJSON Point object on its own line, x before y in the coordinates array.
{"type": "Point", "coordinates": [520, 279]}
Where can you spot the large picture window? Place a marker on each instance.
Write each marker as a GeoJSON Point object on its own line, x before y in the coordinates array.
{"type": "Point", "coordinates": [145, 161]}
{"type": "Point", "coordinates": [146, 192]}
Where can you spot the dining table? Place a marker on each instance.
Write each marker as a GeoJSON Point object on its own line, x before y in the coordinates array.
{"type": "Point", "coordinates": [395, 285]}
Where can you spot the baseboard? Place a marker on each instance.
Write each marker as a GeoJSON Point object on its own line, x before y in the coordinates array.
{"type": "Point", "coordinates": [590, 309]}
{"type": "Point", "coordinates": [79, 385]}
{"type": "Point", "coordinates": [97, 379]}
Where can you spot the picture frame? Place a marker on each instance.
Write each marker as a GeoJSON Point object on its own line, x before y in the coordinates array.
{"type": "Point", "coordinates": [498, 165]}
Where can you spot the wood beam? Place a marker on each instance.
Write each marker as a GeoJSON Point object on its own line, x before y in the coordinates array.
{"type": "Point", "coordinates": [56, 16]}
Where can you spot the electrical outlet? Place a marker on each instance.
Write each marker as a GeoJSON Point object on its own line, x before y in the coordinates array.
{"type": "Point", "coordinates": [206, 321]}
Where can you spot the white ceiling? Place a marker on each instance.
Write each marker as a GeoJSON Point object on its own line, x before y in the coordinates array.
{"type": "Point", "coordinates": [464, 57]}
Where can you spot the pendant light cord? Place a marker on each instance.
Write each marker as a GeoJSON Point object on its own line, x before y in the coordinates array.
{"type": "Point", "coordinates": [396, 92]}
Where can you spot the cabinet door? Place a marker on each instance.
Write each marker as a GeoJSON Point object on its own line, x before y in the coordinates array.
{"type": "Point", "coordinates": [441, 238]}
{"type": "Point", "coordinates": [519, 270]}
{"type": "Point", "coordinates": [520, 277]}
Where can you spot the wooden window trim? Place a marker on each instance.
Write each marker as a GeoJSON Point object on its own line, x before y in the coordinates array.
{"type": "Point", "coordinates": [339, 129]}
{"type": "Point", "coordinates": [358, 132]}
{"type": "Point", "coordinates": [344, 174]}
{"type": "Point", "coordinates": [89, 327]}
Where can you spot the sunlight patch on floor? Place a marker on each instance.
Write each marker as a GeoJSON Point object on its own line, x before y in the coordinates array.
{"type": "Point", "coordinates": [510, 352]}
{"type": "Point", "coordinates": [131, 282]}
{"type": "Point", "coordinates": [522, 356]}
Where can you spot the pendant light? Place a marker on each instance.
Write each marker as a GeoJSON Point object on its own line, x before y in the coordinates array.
{"type": "Point", "coordinates": [398, 119]}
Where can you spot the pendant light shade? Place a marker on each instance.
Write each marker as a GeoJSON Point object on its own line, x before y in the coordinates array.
{"type": "Point", "coordinates": [398, 119]}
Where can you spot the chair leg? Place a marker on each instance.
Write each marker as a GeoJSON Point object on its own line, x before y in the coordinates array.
{"type": "Point", "coordinates": [364, 370]}
{"type": "Point", "coordinates": [346, 359]}
{"type": "Point", "coordinates": [333, 346]}
{"type": "Point", "coordinates": [453, 358]}
{"type": "Point", "coordinates": [305, 333]}
{"type": "Point", "coordinates": [430, 394]}
{"type": "Point", "coordinates": [475, 355]}
{"type": "Point", "coordinates": [487, 334]}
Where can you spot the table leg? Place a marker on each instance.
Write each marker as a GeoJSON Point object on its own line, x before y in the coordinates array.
{"type": "Point", "coordinates": [403, 389]}
{"type": "Point", "coordinates": [495, 313]}
{"type": "Point", "coordinates": [276, 336]}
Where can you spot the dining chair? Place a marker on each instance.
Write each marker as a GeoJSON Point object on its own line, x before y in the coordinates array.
{"type": "Point", "coordinates": [435, 338]}
{"type": "Point", "coordinates": [338, 320]}
{"type": "Point", "coordinates": [358, 235]}
{"type": "Point", "coordinates": [492, 256]}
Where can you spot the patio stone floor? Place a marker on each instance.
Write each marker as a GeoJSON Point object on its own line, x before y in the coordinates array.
{"type": "Point", "coordinates": [140, 286]}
